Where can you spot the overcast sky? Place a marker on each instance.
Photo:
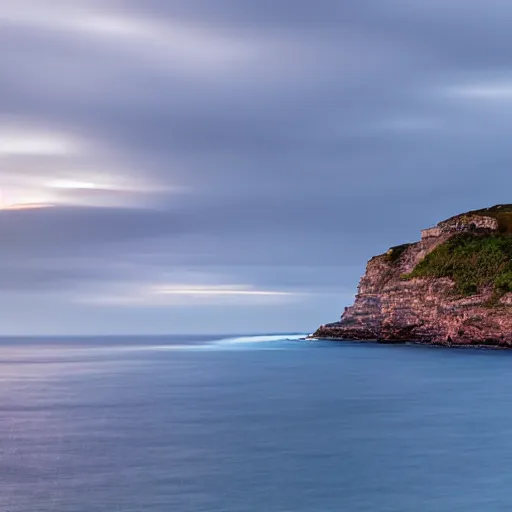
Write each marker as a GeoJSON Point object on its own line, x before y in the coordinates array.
{"type": "Point", "coordinates": [172, 166]}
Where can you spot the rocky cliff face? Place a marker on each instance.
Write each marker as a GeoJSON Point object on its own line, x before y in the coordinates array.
{"type": "Point", "coordinates": [425, 292]}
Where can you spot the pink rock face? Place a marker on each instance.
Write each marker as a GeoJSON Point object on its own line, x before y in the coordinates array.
{"type": "Point", "coordinates": [389, 308]}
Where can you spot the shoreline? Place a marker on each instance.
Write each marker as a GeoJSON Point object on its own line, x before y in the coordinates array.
{"type": "Point", "coordinates": [479, 346]}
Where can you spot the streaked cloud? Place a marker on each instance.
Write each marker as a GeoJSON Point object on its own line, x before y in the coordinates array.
{"type": "Point", "coordinates": [490, 91]}
{"type": "Point", "coordinates": [217, 291]}
{"type": "Point", "coordinates": [44, 166]}
{"type": "Point", "coordinates": [25, 143]}
{"type": "Point", "coordinates": [24, 206]}
{"type": "Point", "coordinates": [73, 184]}
{"type": "Point", "coordinates": [180, 295]}
{"type": "Point", "coordinates": [188, 44]}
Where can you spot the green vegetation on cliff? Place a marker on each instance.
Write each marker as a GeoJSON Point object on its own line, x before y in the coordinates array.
{"type": "Point", "coordinates": [394, 253]}
{"type": "Point", "coordinates": [473, 262]}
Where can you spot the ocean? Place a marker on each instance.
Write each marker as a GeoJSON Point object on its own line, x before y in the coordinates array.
{"type": "Point", "coordinates": [252, 424]}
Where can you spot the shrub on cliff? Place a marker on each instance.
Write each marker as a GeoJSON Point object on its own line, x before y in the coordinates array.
{"type": "Point", "coordinates": [503, 282]}
{"type": "Point", "coordinates": [394, 253]}
{"type": "Point", "coordinates": [472, 262]}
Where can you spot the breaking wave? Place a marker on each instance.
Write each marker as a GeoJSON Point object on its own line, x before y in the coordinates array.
{"type": "Point", "coordinates": [261, 339]}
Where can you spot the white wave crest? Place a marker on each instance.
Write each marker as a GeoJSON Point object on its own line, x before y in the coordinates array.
{"type": "Point", "coordinates": [261, 339]}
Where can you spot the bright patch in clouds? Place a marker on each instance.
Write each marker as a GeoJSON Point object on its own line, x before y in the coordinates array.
{"type": "Point", "coordinates": [42, 166]}
{"type": "Point", "coordinates": [73, 184]}
{"type": "Point", "coordinates": [33, 144]}
{"type": "Point", "coordinates": [483, 91]}
{"type": "Point", "coordinates": [19, 198]}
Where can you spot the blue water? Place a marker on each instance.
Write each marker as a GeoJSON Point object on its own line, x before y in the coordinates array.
{"type": "Point", "coordinates": [203, 424]}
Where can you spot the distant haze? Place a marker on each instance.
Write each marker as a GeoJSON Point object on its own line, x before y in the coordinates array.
{"type": "Point", "coordinates": [199, 166]}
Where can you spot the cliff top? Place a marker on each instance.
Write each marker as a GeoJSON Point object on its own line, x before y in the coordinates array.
{"type": "Point", "coordinates": [501, 212]}
{"type": "Point", "coordinates": [474, 250]}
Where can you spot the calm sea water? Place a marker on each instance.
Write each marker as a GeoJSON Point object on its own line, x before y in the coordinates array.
{"type": "Point", "coordinates": [256, 424]}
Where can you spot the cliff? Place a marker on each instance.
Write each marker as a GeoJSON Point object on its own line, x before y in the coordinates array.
{"type": "Point", "coordinates": [453, 287]}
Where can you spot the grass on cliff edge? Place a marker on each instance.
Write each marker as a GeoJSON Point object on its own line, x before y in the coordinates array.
{"type": "Point", "coordinates": [473, 262]}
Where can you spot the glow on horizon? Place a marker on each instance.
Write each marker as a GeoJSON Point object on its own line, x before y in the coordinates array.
{"type": "Point", "coordinates": [25, 206]}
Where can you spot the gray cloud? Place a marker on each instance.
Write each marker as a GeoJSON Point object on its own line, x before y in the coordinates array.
{"type": "Point", "coordinates": [271, 146]}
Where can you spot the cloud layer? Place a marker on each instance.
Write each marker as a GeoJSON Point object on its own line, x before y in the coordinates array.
{"type": "Point", "coordinates": [247, 158]}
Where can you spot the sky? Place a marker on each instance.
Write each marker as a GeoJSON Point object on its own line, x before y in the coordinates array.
{"type": "Point", "coordinates": [190, 166]}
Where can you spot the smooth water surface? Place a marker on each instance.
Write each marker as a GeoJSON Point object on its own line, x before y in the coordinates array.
{"type": "Point", "coordinates": [252, 424]}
